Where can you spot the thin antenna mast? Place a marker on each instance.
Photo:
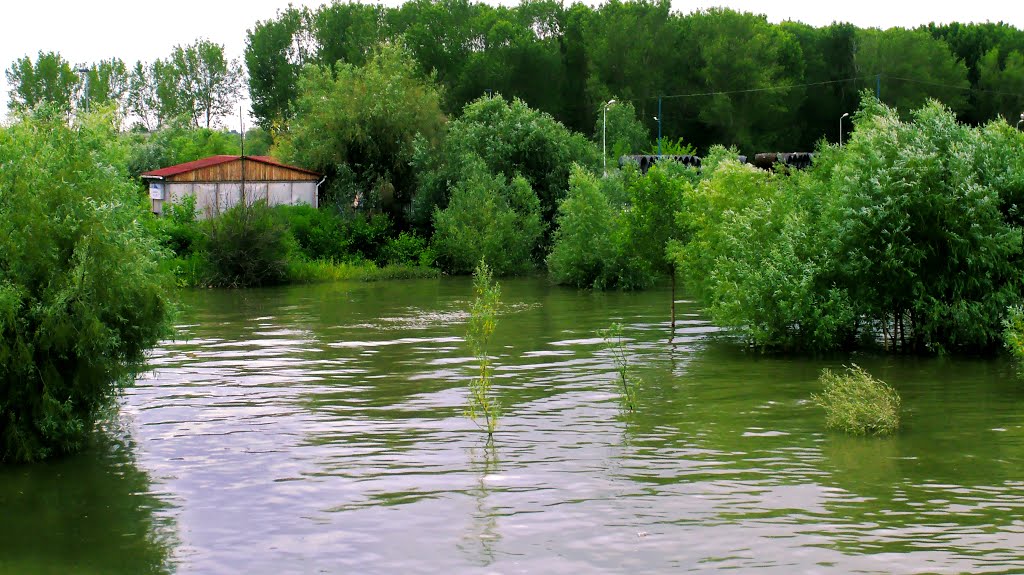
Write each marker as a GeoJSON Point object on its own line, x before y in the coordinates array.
{"type": "Point", "coordinates": [241, 126]}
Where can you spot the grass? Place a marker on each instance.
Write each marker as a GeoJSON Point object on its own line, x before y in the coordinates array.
{"type": "Point", "coordinates": [320, 271]}
{"type": "Point", "coordinates": [858, 404]}
{"type": "Point", "coordinates": [190, 271]}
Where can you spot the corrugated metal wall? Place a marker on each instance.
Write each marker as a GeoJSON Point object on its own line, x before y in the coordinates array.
{"type": "Point", "coordinates": [214, 198]}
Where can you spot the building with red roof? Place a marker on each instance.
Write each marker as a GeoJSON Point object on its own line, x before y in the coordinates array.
{"type": "Point", "coordinates": [219, 182]}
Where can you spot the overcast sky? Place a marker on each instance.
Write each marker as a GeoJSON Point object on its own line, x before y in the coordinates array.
{"type": "Point", "coordinates": [85, 32]}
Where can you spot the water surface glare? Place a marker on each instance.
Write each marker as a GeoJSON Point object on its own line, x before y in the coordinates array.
{"type": "Point", "coordinates": [321, 430]}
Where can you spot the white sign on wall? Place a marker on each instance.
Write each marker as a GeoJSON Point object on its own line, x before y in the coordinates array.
{"type": "Point", "coordinates": [156, 191]}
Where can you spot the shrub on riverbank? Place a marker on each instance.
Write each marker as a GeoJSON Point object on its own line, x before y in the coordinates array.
{"type": "Point", "coordinates": [1013, 331]}
{"type": "Point", "coordinates": [247, 246]}
{"type": "Point", "coordinates": [318, 271]}
{"type": "Point", "coordinates": [257, 245]}
{"type": "Point", "coordinates": [903, 238]}
{"type": "Point", "coordinates": [858, 404]}
{"type": "Point", "coordinates": [81, 291]}
{"type": "Point", "coordinates": [489, 217]}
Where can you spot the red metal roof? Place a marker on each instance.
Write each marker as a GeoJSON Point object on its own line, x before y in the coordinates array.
{"type": "Point", "coordinates": [216, 160]}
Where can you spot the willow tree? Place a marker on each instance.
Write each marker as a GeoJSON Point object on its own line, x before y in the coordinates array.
{"type": "Point", "coordinates": [81, 295]}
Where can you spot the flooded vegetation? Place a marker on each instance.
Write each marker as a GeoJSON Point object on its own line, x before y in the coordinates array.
{"type": "Point", "coordinates": [322, 429]}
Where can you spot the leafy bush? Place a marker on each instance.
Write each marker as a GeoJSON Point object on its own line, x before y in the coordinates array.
{"type": "Point", "coordinates": [614, 231]}
{"type": "Point", "coordinates": [369, 234]}
{"type": "Point", "coordinates": [1013, 331]}
{"type": "Point", "coordinates": [858, 404]}
{"type": "Point", "coordinates": [301, 270]}
{"type": "Point", "coordinates": [320, 234]}
{"type": "Point", "coordinates": [407, 249]}
{"type": "Point", "coordinates": [511, 139]}
{"type": "Point", "coordinates": [81, 294]}
{"type": "Point", "coordinates": [894, 239]}
{"type": "Point", "coordinates": [488, 218]}
{"type": "Point", "coordinates": [176, 144]}
{"type": "Point", "coordinates": [620, 131]}
{"type": "Point", "coordinates": [327, 234]}
{"type": "Point", "coordinates": [246, 247]}
{"type": "Point", "coordinates": [181, 233]}
{"type": "Point", "coordinates": [679, 147]}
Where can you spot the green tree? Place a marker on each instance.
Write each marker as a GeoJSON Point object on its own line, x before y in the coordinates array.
{"type": "Point", "coordinates": [208, 85]}
{"type": "Point", "coordinates": [913, 66]}
{"type": "Point", "coordinates": [48, 80]}
{"type": "Point", "coordinates": [489, 217]}
{"type": "Point", "coordinates": [359, 125]}
{"type": "Point", "coordinates": [511, 139]}
{"type": "Point", "coordinates": [81, 295]}
{"type": "Point", "coordinates": [178, 143]}
{"type": "Point", "coordinates": [590, 234]}
{"type": "Point", "coordinates": [142, 102]}
{"type": "Point", "coordinates": [905, 236]}
{"type": "Point", "coordinates": [744, 60]}
{"type": "Point", "coordinates": [106, 82]}
{"type": "Point", "coordinates": [1003, 82]}
{"type": "Point", "coordinates": [274, 55]}
{"type": "Point", "coordinates": [622, 131]}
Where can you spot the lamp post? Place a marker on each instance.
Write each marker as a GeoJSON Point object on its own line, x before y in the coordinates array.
{"type": "Point", "coordinates": [604, 134]}
{"type": "Point", "coordinates": [85, 77]}
{"type": "Point", "coordinates": [658, 120]}
{"type": "Point", "coordinates": [1021, 120]}
{"type": "Point", "coordinates": [841, 128]}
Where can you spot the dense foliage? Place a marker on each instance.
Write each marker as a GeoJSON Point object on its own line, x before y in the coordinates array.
{"type": "Point", "coordinates": [566, 60]}
{"type": "Point", "coordinates": [81, 296]}
{"type": "Point", "coordinates": [907, 236]}
{"type": "Point", "coordinates": [613, 232]}
{"type": "Point", "coordinates": [195, 83]}
{"type": "Point", "coordinates": [511, 139]}
{"type": "Point", "coordinates": [358, 126]}
{"type": "Point", "coordinates": [247, 246]}
{"type": "Point", "coordinates": [858, 404]}
{"type": "Point", "coordinates": [488, 218]}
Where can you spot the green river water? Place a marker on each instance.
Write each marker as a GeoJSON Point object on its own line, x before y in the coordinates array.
{"type": "Point", "coordinates": [321, 430]}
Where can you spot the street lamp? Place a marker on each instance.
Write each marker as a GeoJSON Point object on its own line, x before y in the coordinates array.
{"type": "Point", "coordinates": [846, 115]}
{"type": "Point", "coordinates": [1021, 120]}
{"type": "Point", "coordinates": [604, 135]}
{"type": "Point", "coordinates": [85, 76]}
{"type": "Point", "coordinates": [658, 120]}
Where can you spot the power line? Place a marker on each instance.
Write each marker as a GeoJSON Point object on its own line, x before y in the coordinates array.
{"type": "Point", "coordinates": [765, 89]}
{"type": "Point", "coordinates": [966, 89]}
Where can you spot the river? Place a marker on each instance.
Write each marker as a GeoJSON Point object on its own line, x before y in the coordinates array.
{"type": "Point", "coordinates": [321, 429]}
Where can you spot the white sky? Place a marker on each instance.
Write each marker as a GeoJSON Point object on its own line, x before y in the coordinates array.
{"type": "Point", "coordinates": [85, 32]}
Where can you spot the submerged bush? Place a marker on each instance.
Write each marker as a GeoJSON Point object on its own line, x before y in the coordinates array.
{"type": "Point", "coordinates": [903, 238]}
{"type": "Point", "coordinates": [857, 403]}
{"type": "Point", "coordinates": [614, 231]}
{"type": "Point", "coordinates": [82, 296]}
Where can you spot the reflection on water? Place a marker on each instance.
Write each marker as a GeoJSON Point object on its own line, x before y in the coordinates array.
{"type": "Point", "coordinates": [482, 534]}
{"type": "Point", "coordinates": [321, 429]}
{"type": "Point", "coordinates": [92, 513]}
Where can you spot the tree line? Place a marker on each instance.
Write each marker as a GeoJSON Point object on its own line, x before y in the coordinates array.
{"type": "Point", "coordinates": [195, 83]}
{"type": "Point", "coordinates": [712, 77]}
